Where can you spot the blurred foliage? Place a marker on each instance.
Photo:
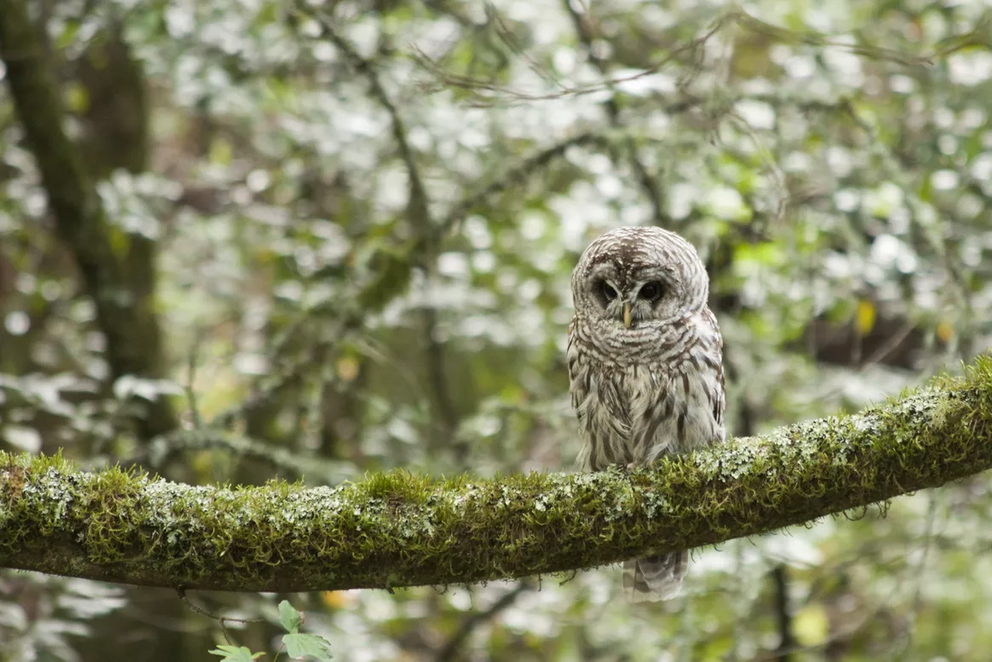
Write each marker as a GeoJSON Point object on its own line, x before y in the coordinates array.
{"type": "Point", "coordinates": [296, 644]}
{"type": "Point", "coordinates": [356, 224]}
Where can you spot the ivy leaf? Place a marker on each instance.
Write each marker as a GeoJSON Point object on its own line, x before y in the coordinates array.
{"type": "Point", "coordinates": [289, 617]}
{"type": "Point", "coordinates": [300, 645]}
{"type": "Point", "coordinates": [235, 654]}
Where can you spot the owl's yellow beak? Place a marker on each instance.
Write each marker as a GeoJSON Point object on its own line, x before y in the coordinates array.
{"type": "Point", "coordinates": [626, 314]}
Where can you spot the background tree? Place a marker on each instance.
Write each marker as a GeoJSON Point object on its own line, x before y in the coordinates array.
{"type": "Point", "coordinates": [285, 240]}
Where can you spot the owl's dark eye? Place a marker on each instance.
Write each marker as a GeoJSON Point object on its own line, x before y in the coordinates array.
{"type": "Point", "coordinates": [651, 291]}
{"type": "Point", "coordinates": [607, 290]}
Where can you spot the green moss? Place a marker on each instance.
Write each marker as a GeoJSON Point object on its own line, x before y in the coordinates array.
{"type": "Point", "coordinates": [397, 528]}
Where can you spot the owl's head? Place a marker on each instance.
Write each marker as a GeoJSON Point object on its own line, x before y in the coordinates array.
{"type": "Point", "coordinates": [635, 275]}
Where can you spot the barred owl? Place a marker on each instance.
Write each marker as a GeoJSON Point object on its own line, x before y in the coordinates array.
{"type": "Point", "coordinates": [645, 365]}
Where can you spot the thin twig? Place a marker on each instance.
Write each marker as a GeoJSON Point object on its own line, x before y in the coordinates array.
{"type": "Point", "coordinates": [504, 93]}
{"type": "Point", "coordinates": [734, 16]}
{"type": "Point", "coordinates": [516, 175]}
{"type": "Point", "coordinates": [919, 574]}
{"type": "Point", "coordinates": [222, 620]}
{"type": "Point", "coordinates": [450, 649]}
{"type": "Point", "coordinates": [190, 388]}
{"type": "Point", "coordinates": [783, 615]}
{"type": "Point", "coordinates": [417, 205]}
{"type": "Point", "coordinates": [507, 37]}
{"type": "Point", "coordinates": [444, 403]}
{"type": "Point", "coordinates": [208, 438]}
{"type": "Point", "coordinates": [427, 235]}
{"type": "Point", "coordinates": [647, 180]}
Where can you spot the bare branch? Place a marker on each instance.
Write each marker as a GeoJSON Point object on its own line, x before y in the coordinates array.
{"type": "Point", "coordinates": [418, 206]}
{"type": "Point", "coordinates": [317, 470]}
{"type": "Point", "coordinates": [452, 646]}
{"type": "Point", "coordinates": [488, 93]}
{"type": "Point", "coordinates": [494, 93]}
{"type": "Point", "coordinates": [647, 180]}
{"type": "Point", "coordinates": [517, 176]}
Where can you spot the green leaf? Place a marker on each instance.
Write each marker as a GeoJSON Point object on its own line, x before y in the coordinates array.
{"type": "Point", "coordinates": [289, 617]}
{"type": "Point", "coordinates": [301, 645]}
{"type": "Point", "coordinates": [235, 654]}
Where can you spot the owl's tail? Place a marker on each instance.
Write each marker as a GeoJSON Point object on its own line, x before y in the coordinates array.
{"type": "Point", "coordinates": [655, 578]}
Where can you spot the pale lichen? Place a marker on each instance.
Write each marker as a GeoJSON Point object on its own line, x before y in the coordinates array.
{"type": "Point", "coordinates": [396, 528]}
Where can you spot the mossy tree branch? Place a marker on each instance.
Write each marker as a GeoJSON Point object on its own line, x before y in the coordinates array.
{"type": "Point", "coordinates": [398, 529]}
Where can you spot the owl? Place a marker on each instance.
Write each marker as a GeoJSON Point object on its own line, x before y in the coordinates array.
{"type": "Point", "coordinates": [645, 366]}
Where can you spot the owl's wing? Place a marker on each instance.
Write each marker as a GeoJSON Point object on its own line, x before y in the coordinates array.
{"type": "Point", "coordinates": [714, 361]}
{"type": "Point", "coordinates": [578, 389]}
{"type": "Point", "coordinates": [580, 385]}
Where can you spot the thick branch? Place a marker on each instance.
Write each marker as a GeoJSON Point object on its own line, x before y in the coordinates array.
{"type": "Point", "coordinates": [122, 296]}
{"type": "Point", "coordinates": [398, 529]}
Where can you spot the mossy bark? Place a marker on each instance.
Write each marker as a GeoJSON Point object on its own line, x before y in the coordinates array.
{"type": "Point", "coordinates": [117, 269]}
{"type": "Point", "coordinates": [398, 529]}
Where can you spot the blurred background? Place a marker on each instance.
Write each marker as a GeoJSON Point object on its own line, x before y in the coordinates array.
{"type": "Point", "coordinates": [343, 234]}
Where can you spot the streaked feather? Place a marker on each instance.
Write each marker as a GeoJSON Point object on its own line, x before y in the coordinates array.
{"type": "Point", "coordinates": [655, 388]}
